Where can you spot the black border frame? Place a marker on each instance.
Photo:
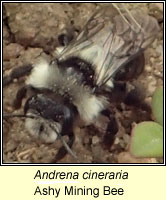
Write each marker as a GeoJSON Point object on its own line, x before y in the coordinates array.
{"type": "Point", "coordinates": [81, 164]}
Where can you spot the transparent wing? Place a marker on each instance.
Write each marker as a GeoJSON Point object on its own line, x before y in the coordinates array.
{"type": "Point", "coordinates": [111, 38]}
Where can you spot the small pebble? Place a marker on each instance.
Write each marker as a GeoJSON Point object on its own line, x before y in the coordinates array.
{"type": "Point", "coordinates": [95, 140]}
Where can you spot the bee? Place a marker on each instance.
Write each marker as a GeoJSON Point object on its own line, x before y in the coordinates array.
{"type": "Point", "coordinates": [73, 85]}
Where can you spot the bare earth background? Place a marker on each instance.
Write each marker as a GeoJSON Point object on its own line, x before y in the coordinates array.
{"type": "Point", "coordinates": [31, 30]}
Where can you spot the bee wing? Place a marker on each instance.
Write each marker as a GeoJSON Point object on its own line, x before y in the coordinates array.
{"type": "Point", "coordinates": [111, 38]}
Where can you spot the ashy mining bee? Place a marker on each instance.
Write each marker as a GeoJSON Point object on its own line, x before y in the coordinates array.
{"type": "Point", "coordinates": [73, 84]}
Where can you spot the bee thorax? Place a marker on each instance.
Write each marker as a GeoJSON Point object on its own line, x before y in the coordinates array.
{"type": "Point", "coordinates": [73, 81]}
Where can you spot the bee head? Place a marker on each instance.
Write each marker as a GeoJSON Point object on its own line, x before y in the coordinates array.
{"type": "Point", "coordinates": [50, 117]}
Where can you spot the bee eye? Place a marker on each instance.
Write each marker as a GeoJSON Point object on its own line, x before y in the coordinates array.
{"type": "Point", "coordinates": [41, 128]}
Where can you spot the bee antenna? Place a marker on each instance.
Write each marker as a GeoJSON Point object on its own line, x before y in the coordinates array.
{"type": "Point", "coordinates": [68, 149]}
{"type": "Point", "coordinates": [7, 115]}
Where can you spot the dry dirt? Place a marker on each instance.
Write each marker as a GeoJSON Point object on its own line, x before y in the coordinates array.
{"type": "Point", "coordinates": [31, 30]}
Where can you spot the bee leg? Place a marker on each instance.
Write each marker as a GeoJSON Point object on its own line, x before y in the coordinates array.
{"type": "Point", "coordinates": [19, 97]}
{"type": "Point", "coordinates": [66, 37]}
{"type": "Point", "coordinates": [111, 129]}
{"type": "Point", "coordinates": [118, 93]}
{"type": "Point", "coordinates": [17, 73]}
{"type": "Point", "coordinates": [131, 95]}
{"type": "Point", "coordinates": [62, 151]}
{"type": "Point", "coordinates": [132, 69]}
{"type": "Point", "coordinates": [136, 98]}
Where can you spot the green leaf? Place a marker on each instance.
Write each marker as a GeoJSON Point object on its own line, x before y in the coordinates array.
{"type": "Point", "coordinates": [157, 105]}
{"type": "Point", "coordinates": [147, 140]}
